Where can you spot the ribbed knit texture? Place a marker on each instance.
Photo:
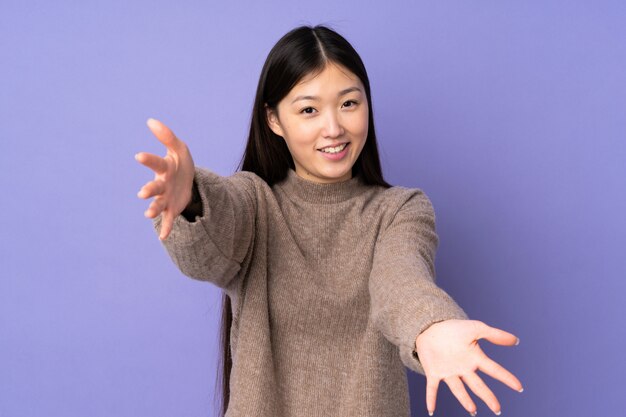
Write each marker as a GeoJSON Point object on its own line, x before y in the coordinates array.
{"type": "Point", "coordinates": [330, 286]}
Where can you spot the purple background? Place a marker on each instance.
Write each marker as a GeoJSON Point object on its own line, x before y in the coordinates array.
{"type": "Point", "coordinates": [510, 115]}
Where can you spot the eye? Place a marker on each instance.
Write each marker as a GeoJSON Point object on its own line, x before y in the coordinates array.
{"type": "Point", "coordinates": [304, 110]}
{"type": "Point", "coordinates": [354, 103]}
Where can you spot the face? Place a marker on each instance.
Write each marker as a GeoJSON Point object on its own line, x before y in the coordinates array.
{"type": "Point", "coordinates": [324, 122]}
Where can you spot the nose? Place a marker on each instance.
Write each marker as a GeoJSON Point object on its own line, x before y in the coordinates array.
{"type": "Point", "coordinates": [332, 126]}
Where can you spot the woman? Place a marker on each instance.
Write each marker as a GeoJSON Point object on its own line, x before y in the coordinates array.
{"type": "Point", "coordinates": [329, 269]}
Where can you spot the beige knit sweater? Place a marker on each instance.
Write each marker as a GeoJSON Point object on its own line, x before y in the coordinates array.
{"type": "Point", "coordinates": [330, 286]}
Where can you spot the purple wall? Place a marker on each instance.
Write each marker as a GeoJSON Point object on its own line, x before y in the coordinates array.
{"type": "Point", "coordinates": [510, 115]}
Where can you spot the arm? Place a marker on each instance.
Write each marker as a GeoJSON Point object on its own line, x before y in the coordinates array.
{"type": "Point", "coordinates": [405, 300]}
{"type": "Point", "coordinates": [211, 237]}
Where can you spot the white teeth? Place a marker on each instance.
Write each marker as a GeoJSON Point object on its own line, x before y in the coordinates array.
{"type": "Point", "coordinates": [335, 150]}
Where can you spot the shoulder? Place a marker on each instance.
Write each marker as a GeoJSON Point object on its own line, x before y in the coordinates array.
{"type": "Point", "coordinates": [248, 177]}
{"type": "Point", "coordinates": [400, 204]}
{"type": "Point", "coordinates": [252, 182]}
{"type": "Point", "coordinates": [400, 198]}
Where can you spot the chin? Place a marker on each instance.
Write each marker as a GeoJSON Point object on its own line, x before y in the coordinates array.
{"type": "Point", "coordinates": [337, 175]}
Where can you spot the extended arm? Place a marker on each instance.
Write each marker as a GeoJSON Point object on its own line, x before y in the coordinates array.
{"type": "Point", "coordinates": [415, 314]}
{"type": "Point", "coordinates": [212, 236]}
{"type": "Point", "coordinates": [405, 300]}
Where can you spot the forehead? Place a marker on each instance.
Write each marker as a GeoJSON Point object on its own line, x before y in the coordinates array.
{"type": "Point", "coordinates": [331, 76]}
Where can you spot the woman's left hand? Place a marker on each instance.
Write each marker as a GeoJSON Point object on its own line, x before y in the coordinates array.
{"type": "Point", "coordinates": [449, 351]}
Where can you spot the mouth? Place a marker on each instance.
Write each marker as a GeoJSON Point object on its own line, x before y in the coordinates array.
{"type": "Point", "coordinates": [334, 149]}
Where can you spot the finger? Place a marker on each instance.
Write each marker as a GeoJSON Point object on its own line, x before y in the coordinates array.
{"type": "Point", "coordinates": [497, 336]}
{"type": "Point", "coordinates": [156, 187]}
{"type": "Point", "coordinates": [476, 384]}
{"type": "Point", "coordinates": [152, 161]}
{"type": "Point", "coordinates": [166, 224]}
{"type": "Point", "coordinates": [458, 389]}
{"type": "Point", "coordinates": [155, 208]}
{"type": "Point", "coordinates": [164, 134]}
{"type": "Point", "coordinates": [497, 371]}
{"type": "Point", "coordinates": [432, 385]}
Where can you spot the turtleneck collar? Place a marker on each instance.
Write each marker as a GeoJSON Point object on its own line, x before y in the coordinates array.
{"type": "Point", "coordinates": [320, 193]}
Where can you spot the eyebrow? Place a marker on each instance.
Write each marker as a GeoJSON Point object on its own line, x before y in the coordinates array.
{"type": "Point", "coordinates": [341, 93]}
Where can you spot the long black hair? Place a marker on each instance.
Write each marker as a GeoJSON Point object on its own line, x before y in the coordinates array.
{"type": "Point", "coordinates": [303, 51]}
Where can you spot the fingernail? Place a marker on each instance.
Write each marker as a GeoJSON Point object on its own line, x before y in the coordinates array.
{"type": "Point", "coordinates": [430, 413]}
{"type": "Point", "coordinates": [473, 414]}
{"type": "Point", "coordinates": [498, 413]}
{"type": "Point", "coordinates": [521, 390]}
{"type": "Point", "coordinates": [517, 342]}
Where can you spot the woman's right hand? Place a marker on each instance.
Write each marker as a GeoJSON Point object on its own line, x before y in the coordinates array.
{"type": "Point", "coordinates": [173, 177]}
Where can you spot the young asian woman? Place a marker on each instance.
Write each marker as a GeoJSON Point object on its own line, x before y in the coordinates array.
{"type": "Point", "coordinates": [327, 270]}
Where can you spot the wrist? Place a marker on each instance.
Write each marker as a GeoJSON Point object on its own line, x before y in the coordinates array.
{"type": "Point", "coordinates": [430, 326]}
{"type": "Point", "coordinates": [194, 206]}
{"type": "Point", "coordinates": [195, 194]}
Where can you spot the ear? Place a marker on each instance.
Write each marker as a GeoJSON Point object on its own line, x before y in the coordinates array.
{"type": "Point", "coordinates": [272, 120]}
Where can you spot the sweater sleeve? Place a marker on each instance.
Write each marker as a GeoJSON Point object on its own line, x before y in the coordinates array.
{"type": "Point", "coordinates": [405, 300]}
{"type": "Point", "coordinates": [213, 247]}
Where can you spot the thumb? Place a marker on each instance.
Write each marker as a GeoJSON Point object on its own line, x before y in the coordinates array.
{"type": "Point", "coordinates": [498, 336]}
{"type": "Point", "coordinates": [164, 134]}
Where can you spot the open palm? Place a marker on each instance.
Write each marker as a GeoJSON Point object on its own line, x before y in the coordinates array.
{"type": "Point", "coordinates": [449, 351]}
{"type": "Point", "coordinates": [173, 177]}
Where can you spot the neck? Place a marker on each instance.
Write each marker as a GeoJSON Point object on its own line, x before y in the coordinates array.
{"type": "Point", "coordinates": [316, 192]}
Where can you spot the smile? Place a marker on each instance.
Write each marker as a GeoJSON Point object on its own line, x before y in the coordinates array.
{"type": "Point", "coordinates": [336, 149]}
{"type": "Point", "coordinates": [337, 153]}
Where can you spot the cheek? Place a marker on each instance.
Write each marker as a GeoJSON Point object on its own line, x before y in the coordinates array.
{"type": "Point", "coordinates": [359, 124]}
{"type": "Point", "coordinates": [302, 134]}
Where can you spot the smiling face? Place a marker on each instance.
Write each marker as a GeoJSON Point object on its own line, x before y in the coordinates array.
{"type": "Point", "coordinates": [328, 110]}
